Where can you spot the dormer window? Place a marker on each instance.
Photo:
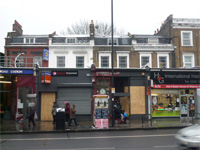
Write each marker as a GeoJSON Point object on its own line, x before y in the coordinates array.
{"type": "Point", "coordinates": [29, 40]}
{"type": "Point", "coordinates": [71, 40]}
{"type": "Point", "coordinates": [115, 42]}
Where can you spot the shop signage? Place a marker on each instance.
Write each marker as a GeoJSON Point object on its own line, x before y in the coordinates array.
{"type": "Point", "coordinates": [175, 78]}
{"type": "Point", "coordinates": [15, 71]}
{"type": "Point", "coordinates": [107, 73]}
{"type": "Point", "coordinates": [148, 90]}
{"type": "Point", "coordinates": [64, 73]}
{"type": "Point", "coordinates": [176, 86]}
{"type": "Point", "coordinates": [46, 77]}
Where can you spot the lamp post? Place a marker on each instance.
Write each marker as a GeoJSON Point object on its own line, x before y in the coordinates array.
{"type": "Point", "coordinates": [17, 57]}
{"type": "Point", "coordinates": [112, 80]}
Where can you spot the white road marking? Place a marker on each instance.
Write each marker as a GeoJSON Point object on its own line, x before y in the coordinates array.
{"type": "Point", "coordinates": [83, 148]}
{"type": "Point", "coordinates": [165, 146]}
{"type": "Point", "coordinates": [86, 138]}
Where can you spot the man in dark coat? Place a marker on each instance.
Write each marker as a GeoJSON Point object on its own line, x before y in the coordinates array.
{"type": "Point", "coordinates": [31, 113]}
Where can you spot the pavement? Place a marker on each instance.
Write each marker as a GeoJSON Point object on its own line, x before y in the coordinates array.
{"type": "Point", "coordinates": [14, 127]}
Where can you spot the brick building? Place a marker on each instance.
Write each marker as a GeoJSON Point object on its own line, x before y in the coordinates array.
{"type": "Point", "coordinates": [185, 35]}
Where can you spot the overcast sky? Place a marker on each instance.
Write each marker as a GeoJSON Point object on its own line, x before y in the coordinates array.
{"type": "Point", "coordinates": [134, 16]}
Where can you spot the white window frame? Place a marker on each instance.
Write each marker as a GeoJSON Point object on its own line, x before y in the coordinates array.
{"type": "Point", "coordinates": [191, 38]}
{"type": "Point", "coordinates": [39, 60]}
{"type": "Point", "coordinates": [29, 40]}
{"type": "Point", "coordinates": [123, 53]}
{"type": "Point", "coordinates": [83, 61]}
{"type": "Point", "coordinates": [75, 41]}
{"type": "Point", "coordinates": [162, 55]}
{"type": "Point", "coordinates": [146, 55]}
{"type": "Point", "coordinates": [110, 41]}
{"type": "Point", "coordinates": [108, 54]}
{"type": "Point", "coordinates": [57, 61]}
{"type": "Point", "coordinates": [190, 55]}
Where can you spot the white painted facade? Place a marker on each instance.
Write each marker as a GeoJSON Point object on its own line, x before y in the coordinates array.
{"type": "Point", "coordinates": [70, 51]}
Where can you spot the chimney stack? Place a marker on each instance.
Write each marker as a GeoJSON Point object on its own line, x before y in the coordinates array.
{"type": "Point", "coordinates": [18, 28]}
{"type": "Point", "coordinates": [92, 30]}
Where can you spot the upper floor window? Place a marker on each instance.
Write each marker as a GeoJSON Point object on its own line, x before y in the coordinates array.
{"type": "Point", "coordinates": [20, 61]}
{"type": "Point", "coordinates": [71, 40]}
{"type": "Point", "coordinates": [29, 40]}
{"type": "Point", "coordinates": [79, 61]}
{"type": "Point", "coordinates": [163, 60]}
{"type": "Point", "coordinates": [104, 61]}
{"type": "Point", "coordinates": [188, 60]}
{"type": "Point", "coordinates": [145, 59]}
{"type": "Point", "coordinates": [61, 61]}
{"type": "Point", "coordinates": [122, 59]}
{"type": "Point", "coordinates": [37, 60]}
{"type": "Point", "coordinates": [186, 38]}
{"type": "Point", "coordinates": [115, 42]}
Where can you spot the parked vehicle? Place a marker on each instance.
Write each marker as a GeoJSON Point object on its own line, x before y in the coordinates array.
{"type": "Point", "coordinates": [189, 137]}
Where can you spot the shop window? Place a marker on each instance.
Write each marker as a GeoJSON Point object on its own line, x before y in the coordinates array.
{"type": "Point", "coordinates": [102, 86]}
{"type": "Point", "coordinates": [165, 103]}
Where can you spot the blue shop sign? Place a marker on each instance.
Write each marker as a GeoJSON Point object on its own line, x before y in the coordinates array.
{"type": "Point", "coordinates": [15, 71]}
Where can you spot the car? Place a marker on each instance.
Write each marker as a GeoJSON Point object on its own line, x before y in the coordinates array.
{"type": "Point", "coordinates": [189, 137]}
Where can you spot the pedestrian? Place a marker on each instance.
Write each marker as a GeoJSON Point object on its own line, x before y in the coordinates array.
{"type": "Point", "coordinates": [54, 108]}
{"type": "Point", "coordinates": [67, 111]}
{"type": "Point", "coordinates": [73, 115]}
{"type": "Point", "coordinates": [31, 113]}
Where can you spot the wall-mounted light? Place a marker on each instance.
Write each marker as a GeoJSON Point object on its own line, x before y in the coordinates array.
{"type": "Point", "coordinates": [143, 73]}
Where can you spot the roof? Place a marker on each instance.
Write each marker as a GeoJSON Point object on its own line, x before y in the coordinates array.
{"type": "Point", "coordinates": [147, 36]}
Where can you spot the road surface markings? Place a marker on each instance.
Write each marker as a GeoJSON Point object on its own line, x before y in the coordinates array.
{"type": "Point", "coordinates": [165, 146]}
{"type": "Point", "coordinates": [84, 148]}
{"type": "Point", "coordinates": [86, 138]}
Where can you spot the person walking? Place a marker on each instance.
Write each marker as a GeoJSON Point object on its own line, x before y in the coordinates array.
{"type": "Point", "coordinates": [67, 111]}
{"type": "Point", "coordinates": [31, 113]}
{"type": "Point", "coordinates": [54, 108]}
{"type": "Point", "coordinates": [73, 115]}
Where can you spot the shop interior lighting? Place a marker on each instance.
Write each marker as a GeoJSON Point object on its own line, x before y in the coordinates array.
{"type": "Point", "coordinates": [5, 81]}
{"type": "Point", "coordinates": [1, 77]}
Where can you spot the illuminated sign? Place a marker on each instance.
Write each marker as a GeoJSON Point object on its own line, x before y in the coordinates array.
{"type": "Point", "coordinates": [46, 77]}
{"type": "Point", "coordinates": [64, 73]}
{"type": "Point", "coordinates": [15, 71]}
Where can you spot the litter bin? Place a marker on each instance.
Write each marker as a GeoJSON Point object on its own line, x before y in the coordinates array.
{"type": "Point", "coordinates": [60, 120]}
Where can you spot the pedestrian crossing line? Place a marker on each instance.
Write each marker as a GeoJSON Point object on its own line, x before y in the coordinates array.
{"type": "Point", "coordinates": [86, 138]}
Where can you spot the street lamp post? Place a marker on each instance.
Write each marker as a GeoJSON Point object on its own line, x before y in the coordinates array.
{"type": "Point", "coordinates": [17, 57]}
{"type": "Point", "coordinates": [112, 80]}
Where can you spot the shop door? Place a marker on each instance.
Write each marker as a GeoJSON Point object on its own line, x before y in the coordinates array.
{"type": "Point", "coordinates": [187, 106]}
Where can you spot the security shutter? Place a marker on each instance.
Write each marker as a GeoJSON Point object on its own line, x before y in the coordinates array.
{"type": "Point", "coordinates": [79, 96]}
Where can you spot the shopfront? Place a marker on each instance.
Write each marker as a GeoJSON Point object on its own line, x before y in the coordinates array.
{"type": "Point", "coordinates": [174, 93]}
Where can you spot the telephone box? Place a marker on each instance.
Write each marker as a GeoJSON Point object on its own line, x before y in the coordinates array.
{"type": "Point", "coordinates": [100, 111]}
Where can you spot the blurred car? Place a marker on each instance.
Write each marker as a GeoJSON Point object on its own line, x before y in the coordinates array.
{"type": "Point", "coordinates": [189, 137]}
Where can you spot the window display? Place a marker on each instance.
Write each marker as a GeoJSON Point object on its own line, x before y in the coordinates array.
{"type": "Point", "coordinates": [165, 103]}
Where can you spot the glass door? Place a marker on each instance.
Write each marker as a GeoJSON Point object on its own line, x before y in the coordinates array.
{"type": "Point", "coordinates": [187, 106]}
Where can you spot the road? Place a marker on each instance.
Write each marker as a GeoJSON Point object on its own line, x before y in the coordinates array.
{"type": "Point", "coordinates": [115, 140]}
